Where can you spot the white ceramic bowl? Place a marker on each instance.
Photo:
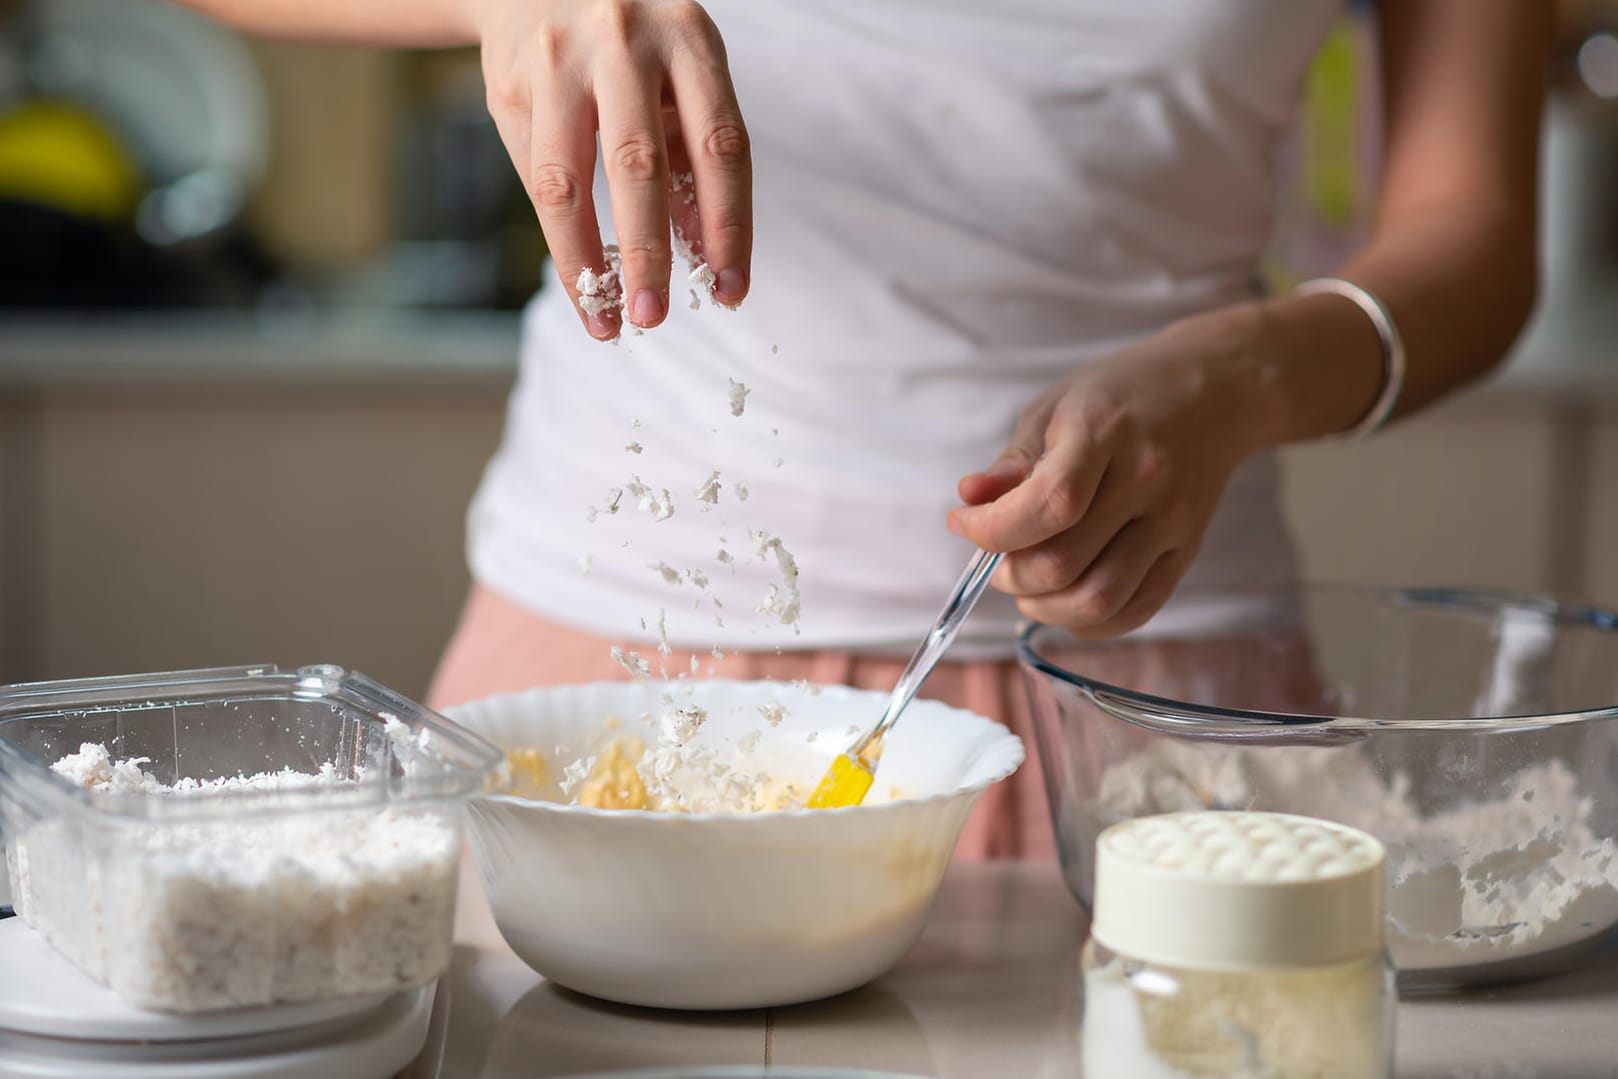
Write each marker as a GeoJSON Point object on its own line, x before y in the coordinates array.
{"type": "Point", "coordinates": [708, 911]}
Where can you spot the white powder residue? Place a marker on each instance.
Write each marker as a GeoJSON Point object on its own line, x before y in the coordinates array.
{"type": "Point", "coordinates": [667, 572]}
{"type": "Point", "coordinates": [576, 773]}
{"type": "Point", "coordinates": [635, 447]}
{"type": "Point", "coordinates": [738, 397]}
{"type": "Point", "coordinates": [1478, 881]}
{"type": "Point", "coordinates": [725, 557]}
{"type": "Point", "coordinates": [700, 274]}
{"type": "Point", "coordinates": [696, 301]}
{"type": "Point", "coordinates": [709, 491]}
{"type": "Point", "coordinates": [741, 491]}
{"type": "Point", "coordinates": [773, 712]}
{"type": "Point", "coordinates": [585, 562]}
{"type": "Point", "coordinates": [631, 662]}
{"type": "Point", "coordinates": [662, 632]}
{"type": "Point", "coordinates": [803, 685]}
{"type": "Point", "coordinates": [614, 496]}
{"type": "Point", "coordinates": [199, 915]}
{"type": "Point", "coordinates": [681, 724]}
{"type": "Point", "coordinates": [698, 578]}
{"type": "Point", "coordinates": [602, 291]}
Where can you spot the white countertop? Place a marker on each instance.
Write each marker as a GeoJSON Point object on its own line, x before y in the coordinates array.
{"type": "Point", "coordinates": [991, 991]}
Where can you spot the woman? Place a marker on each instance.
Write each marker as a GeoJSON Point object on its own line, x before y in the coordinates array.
{"type": "Point", "coordinates": [1006, 269]}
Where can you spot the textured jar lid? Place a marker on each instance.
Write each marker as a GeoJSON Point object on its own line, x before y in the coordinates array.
{"type": "Point", "coordinates": [1228, 890]}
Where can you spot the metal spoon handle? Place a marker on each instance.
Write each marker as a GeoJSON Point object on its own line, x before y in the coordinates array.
{"type": "Point", "coordinates": [961, 601]}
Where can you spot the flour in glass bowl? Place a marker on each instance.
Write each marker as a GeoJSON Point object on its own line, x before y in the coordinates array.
{"type": "Point", "coordinates": [1483, 881]}
{"type": "Point", "coordinates": [200, 915]}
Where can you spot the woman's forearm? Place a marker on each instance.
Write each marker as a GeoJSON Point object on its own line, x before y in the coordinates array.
{"type": "Point", "coordinates": [1453, 253]}
{"type": "Point", "coordinates": [404, 23]}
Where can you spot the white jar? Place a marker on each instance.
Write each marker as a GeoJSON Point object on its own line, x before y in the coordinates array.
{"type": "Point", "coordinates": [1232, 945]}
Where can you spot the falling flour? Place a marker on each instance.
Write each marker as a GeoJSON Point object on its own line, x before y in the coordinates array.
{"type": "Point", "coordinates": [781, 600]}
{"type": "Point", "coordinates": [1479, 881]}
{"type": "Point", "coordinates": [199, 915]}
{"type": "Point", "coordinates": [738, 397]}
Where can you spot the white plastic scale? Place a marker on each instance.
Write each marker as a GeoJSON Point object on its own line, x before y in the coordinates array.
{"type": "Point", "coordinates": [57, 1023]}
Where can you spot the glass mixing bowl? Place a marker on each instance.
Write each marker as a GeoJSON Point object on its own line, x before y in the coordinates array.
{"type": "Point", "coordinates": [1476, 734]}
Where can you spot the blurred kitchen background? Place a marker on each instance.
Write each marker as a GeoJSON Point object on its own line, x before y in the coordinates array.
{"type": "Point", "coordinates": [258, 320]}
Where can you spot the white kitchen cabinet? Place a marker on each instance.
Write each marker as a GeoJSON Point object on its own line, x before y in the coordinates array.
{"type": "Point", "coordinates": [1463, 495]}
{"type": "Point", "coordinates": [240, 525]}
{"type": "Point", "coordinates": [1600, 546]}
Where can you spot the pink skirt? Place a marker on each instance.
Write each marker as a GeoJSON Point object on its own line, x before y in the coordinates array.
{"type": "Point", "coordinates": [502, 647]}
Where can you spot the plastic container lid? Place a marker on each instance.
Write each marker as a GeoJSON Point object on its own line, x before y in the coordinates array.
{"type": "Point", "coordinates": [1238, 891]}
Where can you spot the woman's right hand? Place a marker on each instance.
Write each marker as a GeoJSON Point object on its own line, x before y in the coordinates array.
{"type": "Point", "coordinates": [651, 77]}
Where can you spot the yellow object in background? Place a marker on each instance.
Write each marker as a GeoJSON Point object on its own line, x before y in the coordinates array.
{"type": "Point", "coordinates": [56, 155]}
{"type": "Point", "coordinates": [1331, 174]}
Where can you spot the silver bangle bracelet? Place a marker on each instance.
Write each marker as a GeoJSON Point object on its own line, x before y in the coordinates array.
{"type": "Point", "coordinates": [1393, 349]}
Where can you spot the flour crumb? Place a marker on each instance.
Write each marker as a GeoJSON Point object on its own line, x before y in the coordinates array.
{"type": "Point", "coordinates": [662, 633]}
{"type": "Point", "coordinates": [614, 496]}
{"type": "Point", "coordinates": [709, 491]}
{"type": "Point", "coordinates": [591, 514]}
{"type": "Point", "coordinates": [633, 423]}
{"type": "Point", "coordinates": [812, 737]}
{"type": "Point", "coordinates": [576, 773]}
{"type": "Point", "coordinates": [635, 447]}
{"type": "Point", "coordinates": [716, 652]}
{"type": "Point", "coordinates": [698, 578]}
{"type": "Point", "coordinates": [585, 562]}
{"type": "Point", "coordinates": [631, 662]}
{"type": "Point", "coordinates": [696, 302]}
{"type": "Point", "coordinates": [725, 557]}
{"type": "Point", "coordinates": [774, 349]}
{"type": "Point", "coordinates": [783, 601]}
{"type": "Point", "coordinates": [741, 491]}
{"type": "Point", "coordinates": [667, 572]}
{"type": "Point", "coordinates": [803, 685]}
{"type": "Point", "coordinates": [602, 291]}
{"type": "Point", "coordinates": [680, 725]}
{"type": "Point", "coordinates": [738, 397]}
{"type": "Point", "coordinates": [773, 712]}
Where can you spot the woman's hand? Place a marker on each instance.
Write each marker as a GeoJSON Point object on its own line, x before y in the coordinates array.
{"type": "Point", "coordinates": [1125, 461]}
{"type": "Point", "coordinates": [651, 77]}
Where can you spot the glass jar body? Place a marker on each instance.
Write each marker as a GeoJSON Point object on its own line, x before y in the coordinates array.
{"type": "Point", "coordinates": [1154, 1021]}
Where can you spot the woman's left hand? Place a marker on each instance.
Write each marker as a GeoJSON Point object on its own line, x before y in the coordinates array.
{"type": "Point", "coordinates": [1102, 496]}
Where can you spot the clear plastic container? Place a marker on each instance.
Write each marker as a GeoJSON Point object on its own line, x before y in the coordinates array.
{"type": "Point", "coordinates": [214, 898]}
{"type": "Point", "coordinates": [1238, 945]}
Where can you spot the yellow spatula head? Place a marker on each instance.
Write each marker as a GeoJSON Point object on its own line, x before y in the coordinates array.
{"type": "Point", "coordinates": [845, 783]}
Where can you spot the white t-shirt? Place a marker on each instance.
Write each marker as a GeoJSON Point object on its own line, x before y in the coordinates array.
{"type": "Point", "coordinates": [956, 203]}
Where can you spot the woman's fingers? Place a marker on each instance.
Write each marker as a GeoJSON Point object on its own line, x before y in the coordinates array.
{"type": "Point", "coordinates": [1054, 497]}
{"type": "Point", "coordinates": [560, 170]}
{"type": "Point", "coordinates": [1054, 565]}
{"type": "Point", "coordinates": [716, 142]}
{"type": "Point", "coordinates": [1153, 591]}
{"type": "Point", "coordinates": [1108, 585]}
{"type": "Point", "coordinates": [1017, 460]}
{"type": "Point", "coordinates": [629, 98]}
